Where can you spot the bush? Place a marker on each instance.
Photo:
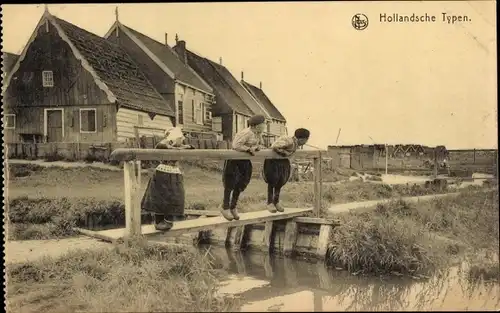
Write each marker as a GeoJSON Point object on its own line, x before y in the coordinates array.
{"type": "Point", "coordinates": [416, 238]}
{"type": "Point", "coordinates": [375, 245]}
{"type": "Point", "coordinates": [43, 218]}
{"type": "Point", "coordinates": [23, 170]}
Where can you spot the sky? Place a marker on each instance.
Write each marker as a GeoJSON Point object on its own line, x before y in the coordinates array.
{"type": "Point", "coordinates": [409, 83]}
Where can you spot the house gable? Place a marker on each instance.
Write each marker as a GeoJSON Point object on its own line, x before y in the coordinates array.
{"type": "Point", "coordinates": [165, 58]}
{"type": "Point", "coordinates": [227, 99]}
{"type": "Point", "coordinates": [46, 22]}
{"type": "Point", "coordinates": [250, 102]}
{"type": "Point", "coordinates": [114, 72]}
{"type": "Point", "coordinates": [260, 96]}
{"type": "Point", "coordinates": [72, 84]}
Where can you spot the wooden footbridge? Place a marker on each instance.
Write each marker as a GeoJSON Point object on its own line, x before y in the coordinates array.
{"type": "Point", "coordinates": [292, 216]}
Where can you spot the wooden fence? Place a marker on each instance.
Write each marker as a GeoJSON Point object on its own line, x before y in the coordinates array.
{"type": "Point", "coordinates": [473, 159]}
{"type": "Point", "coordinates": [132, 173]}
{"type": "Point", "coordinates": [77, 151]}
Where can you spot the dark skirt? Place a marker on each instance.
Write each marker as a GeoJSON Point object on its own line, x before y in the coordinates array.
{"type": "Point", "coordinates": [237, 174]}
{"type": "Point", "coordinates": [276, 172]}
{"type": "Point", "coordinates": [164, 194]}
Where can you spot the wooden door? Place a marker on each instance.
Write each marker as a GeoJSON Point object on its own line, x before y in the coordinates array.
{"type": "Point", "coordinates": [54, 126]}
{"type": "Point", "coordinates": [356, 159]}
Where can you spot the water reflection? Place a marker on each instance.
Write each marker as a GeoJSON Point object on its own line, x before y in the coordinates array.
{"type": "Point", "coordinates": [279, 284]}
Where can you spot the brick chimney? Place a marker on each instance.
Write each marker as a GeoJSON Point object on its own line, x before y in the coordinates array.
{"type": "Point", "coordinates": [181, 50]}
{"type": "Point", "coordinates": [260, 85]}
{"type": "Point", "coordinates": [220, 60]}
{"type": "Point", "coordinates": [242, 76]}
{"type": "Point", "coordinates": [166, 39]}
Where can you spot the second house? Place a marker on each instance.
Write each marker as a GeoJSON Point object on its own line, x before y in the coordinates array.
{"type": "Point", "coordinates": [189, 96]}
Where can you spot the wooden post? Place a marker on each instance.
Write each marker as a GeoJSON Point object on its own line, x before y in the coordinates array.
{"type": "Point", "coordinates": [325, 278]}
{"type": "Point", "coordinates": [435, 172]}
{"type": "Point", "coordinates": [290, 271]}
{"type": "Point", "coordinates": [291, 231]}
{"type": "Point", "coordinates": [386, 158]}
{"type": "Point", "coordinates": [238, 259]}
{"type": "Point", "coordinates": [317, 185]}
{"type": "Point", "coordinates": [201, 234]}
{"type": "Point", "coordinates": [267, 238]}
{"type": "Point", "coordinates": [240, 237]}
{"type": "Point", "coordinates": [323, 240]}
{"type": "Point", "coordinates": [268, 266]}
{"type": "Point", "coordinates": [317, 302]}
{"type": "Point", "coordinates": [132, 177]}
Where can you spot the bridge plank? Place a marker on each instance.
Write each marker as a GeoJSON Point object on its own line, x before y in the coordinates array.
{"type": "Point", "coordinates": [124, 154]}
{"type": "Point", "coordinates": [200, 224]}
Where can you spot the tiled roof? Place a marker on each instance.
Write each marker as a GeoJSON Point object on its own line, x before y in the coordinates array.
{"type": "Point", "coordinates": [240, 91]}
{"type": "Point", "coordinates": [258, 94]}
{"type": "Point", "coordinates": [117, 70]}
{"type": "Point", "coordinates": [171, 60]}
{"type": "Point", "coordinates": [8, 62]}
{"type": "Point", "coordinates": [227, 99]}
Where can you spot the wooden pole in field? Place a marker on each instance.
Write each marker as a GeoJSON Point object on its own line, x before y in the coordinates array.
{"type": "Point", "coordinates": [435, 172]}
{"type": "Point", "coordinates": [132, 180]}
{"type": "Point", "coordinates": [386, 158]}
{"type": "Point", "coordinates": [317, 185]}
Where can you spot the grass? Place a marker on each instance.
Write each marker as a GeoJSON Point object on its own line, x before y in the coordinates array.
{"type": "Point", "coordinates": [416, 239]}
{"type": "Point", "coordinates": [484, 271]}
{"type": "Point", "coordinates": [47, 202]}
{"type": "Point", "coordinates": [395, 238]}
{"type": "Point", "coordinates": [136, 278]}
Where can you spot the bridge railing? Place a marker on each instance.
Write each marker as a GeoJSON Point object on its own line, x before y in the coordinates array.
{"type": "Point", "coordinates": [132, 173]}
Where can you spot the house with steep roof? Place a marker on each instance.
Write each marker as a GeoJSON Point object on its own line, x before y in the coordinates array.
{"type": "Point", "coordinates": [69, 85]}
{"type": "Point", "coordinates": [277, 126]}
{"type": "Point", "coordinates": [187, 94]}
{"type": "Point", "coordinates": [230, 113]}
{"type": "Point", "coordinates": [234, 104]}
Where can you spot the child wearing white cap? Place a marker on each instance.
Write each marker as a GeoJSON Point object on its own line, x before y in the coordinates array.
{"type": "Point", "coordinates": [164, 196]}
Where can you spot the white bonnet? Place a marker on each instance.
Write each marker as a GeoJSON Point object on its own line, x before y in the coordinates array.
{"type": "Point", "coordinates": [173, 134]}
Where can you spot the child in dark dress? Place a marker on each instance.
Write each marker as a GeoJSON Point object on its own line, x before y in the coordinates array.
{"type": "Point", "coordinates": [276, 172]}
{"type": "Point", "coordinates": [164, 196]}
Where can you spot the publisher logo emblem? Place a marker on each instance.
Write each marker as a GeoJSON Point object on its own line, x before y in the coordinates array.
{"type": "Point", "coordinates": [359, 21]}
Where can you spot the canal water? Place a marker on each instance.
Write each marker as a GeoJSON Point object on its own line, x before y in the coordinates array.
{"type": "Point", "coordinates": [271, 284]}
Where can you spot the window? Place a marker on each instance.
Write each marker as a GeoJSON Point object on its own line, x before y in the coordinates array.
{"type": "Point", "coordinates": [140, 120]}
{"type": "Point", "coordinates": [180, 112]}
{"type": "Point", "coordinates": [200, 113]}
{"type": "Point", "coordinates": [47, 79]}
{"type": "Point", "coordinates": [9, 121]}
{"type": "Point", "coordinates": [241, 122]}
{"type": "Point", "coordinates": [217, 124]}
{"type": "Point", "coordinates": [193, 108]}
{"type": "Point", "coordinates": [88, 120]}
{"type": "Point", "coordinates": [207, 113]}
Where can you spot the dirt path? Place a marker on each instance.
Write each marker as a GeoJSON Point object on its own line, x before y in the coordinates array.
{"type": "Point", "coordinates": [30, 250]}
{"type": "Point", "coordinates": [65, 164]}
{"type": "Point", "coordinates": [361, 205]}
